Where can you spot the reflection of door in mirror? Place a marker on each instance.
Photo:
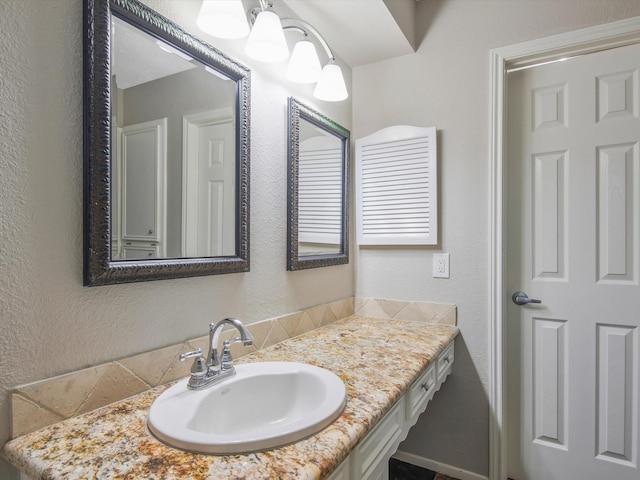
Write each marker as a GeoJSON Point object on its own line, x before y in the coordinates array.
{"type": "Point", "coordinates": [140, 191]}
{"type": "Point", "coordinates": [319, 194]}
{"type": "Point", "coordinates": [208, 201]}
{"type": "Point", "coordinates": [152, 80]}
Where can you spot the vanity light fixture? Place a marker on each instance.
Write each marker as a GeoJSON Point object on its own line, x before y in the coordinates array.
{"type": "Point", "coordinates": [267, 43]}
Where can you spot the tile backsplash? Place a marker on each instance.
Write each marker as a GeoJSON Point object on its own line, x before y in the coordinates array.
{"type": "Point", "coordinates": [45, 402]}
{"type": "Point", "coordinates": [442, 313]}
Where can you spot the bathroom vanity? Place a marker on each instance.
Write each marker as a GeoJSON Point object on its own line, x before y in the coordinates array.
{"type": "Point", "coordinates": [391, 369]}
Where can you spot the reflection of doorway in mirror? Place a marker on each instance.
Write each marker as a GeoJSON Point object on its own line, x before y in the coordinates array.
{"type": "Point", "coordinates": [116, 237]}
{"type": "Point", "coordinates": [140, 191]}
{"type": "Point", "coordinates": [208, 226]}
{"type": "Point", "coordinates": [320, 196]}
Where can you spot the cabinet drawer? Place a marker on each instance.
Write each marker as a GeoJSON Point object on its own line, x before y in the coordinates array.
{"type": "Point", "coordinates": [133, 251]}
{"type": "Point", "coordinates": [420, 393]}
{"type": "Point", "coordinates": [380, 441]}
{"type": "Point", "coordinates": [444, 363]}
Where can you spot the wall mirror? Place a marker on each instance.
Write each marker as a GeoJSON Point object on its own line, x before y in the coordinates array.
{"type": "Point", "coordinates": [318, 189]}
{"type": "Point", "coordinates": [166, 150]}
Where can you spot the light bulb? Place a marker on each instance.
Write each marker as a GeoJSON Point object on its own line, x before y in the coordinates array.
{"type": "Point", "coordinates": [304, 66]}
{"type": "Point", "coordinates": [331, 86]}
{"type": "Point", "coordinates": [223, 19]}
{"type": "Point", "coordinates": [266, 41]}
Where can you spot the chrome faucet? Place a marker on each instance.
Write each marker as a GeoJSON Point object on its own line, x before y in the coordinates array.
{"type": "Point", "coordinates": [216, 368]}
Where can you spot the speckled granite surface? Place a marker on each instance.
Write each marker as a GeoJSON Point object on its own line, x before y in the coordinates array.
{"type": "Point", "coordinates": [377, 359]}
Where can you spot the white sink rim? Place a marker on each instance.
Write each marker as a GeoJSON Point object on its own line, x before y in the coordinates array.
{"type": "Point", "coordinates": [170, 424]}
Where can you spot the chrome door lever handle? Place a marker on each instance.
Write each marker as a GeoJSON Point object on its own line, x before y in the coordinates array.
{"type": "Point", "coordinates": [521, 298]}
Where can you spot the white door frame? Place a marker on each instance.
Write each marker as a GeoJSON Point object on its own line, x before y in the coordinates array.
{"type": "Point", "coordinates": [600, 37]}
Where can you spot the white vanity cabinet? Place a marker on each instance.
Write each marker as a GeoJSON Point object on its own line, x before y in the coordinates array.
{"type": "Point", "coordinates": [136, 250]}
{"type": "Point", "coordinates": [369, 460]}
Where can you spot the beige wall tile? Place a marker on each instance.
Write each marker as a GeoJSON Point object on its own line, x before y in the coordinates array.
{"type": "Point", "coordinates": [424, 312]}
{"type": "Point", "coordinates": [391, 307]}
{"type": "Point", "coordinates": [416, 311]}
{"type": "Point", "coordinates": [28, 416]}
{"type": "Point", "coordinates": [358, 303]}
{"type": "Point", "coordinates": [411, 312]}
{"type": "Point", "coordinates": [343, 308]}
{"type": "Point", "coordinates": [370, 308]}
{"type": "Point", "coordinates": [115, 384]}
{"type": "Point", "coordinates": [260, 332]}
{"type": "Point", "coordinates": [290, 322]}
{"type": "Point", "coordinates": [317, 314]}
{"type": "Point", "coordinates": [450, 317]}
{"type": "Point", "coordinates": [151, 367]}
{"type": "Point", "coordinates": [276, 335]}
{"type": "Point", "coordinates": [304, 325]}
{"type": "Point", "coordinates": [63, 395]}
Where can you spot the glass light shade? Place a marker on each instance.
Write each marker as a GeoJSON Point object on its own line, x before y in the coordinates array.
{"type": "Point", "coordinates": [331, 86]}
{"type": "Point", "coordinates": [223, 19]}
{"type": "Point", "coordinates": [266, 41]}
{"type": "Point", "coordinates": [304, 65]}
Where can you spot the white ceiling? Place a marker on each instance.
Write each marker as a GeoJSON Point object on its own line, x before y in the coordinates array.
{"type": "Point", "coordinates": [138, 58]}
{"type": "Point", "coordinates": [360, 31]}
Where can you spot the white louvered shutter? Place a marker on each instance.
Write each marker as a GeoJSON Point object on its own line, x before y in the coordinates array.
{"type": "Point", "coordinates": [396, 187]}
{"type": "Point", "coordinates": [320, 191]}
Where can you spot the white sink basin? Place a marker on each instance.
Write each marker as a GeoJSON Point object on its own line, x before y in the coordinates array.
{"type": "Point", "coordinates": [265, 405]}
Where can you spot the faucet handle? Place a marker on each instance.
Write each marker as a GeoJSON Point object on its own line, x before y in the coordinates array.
{"type": "Point", "coordinates": [195, 353]}
{"type": "Point", "coordinates": [226, 361]}
{"type": "Point", "coordinates": [198, 369]}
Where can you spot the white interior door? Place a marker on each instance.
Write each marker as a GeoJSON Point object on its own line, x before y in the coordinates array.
{"type": "Point", "coordinates": [216, 199]}
{"type": "Point", "coordinates": [573, 217]}
{"type": "Point", "coordinates": [209, 196]}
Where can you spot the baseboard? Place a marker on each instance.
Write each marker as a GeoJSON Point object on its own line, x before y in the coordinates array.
{"type": "Point", "coordinates": [434, 466]}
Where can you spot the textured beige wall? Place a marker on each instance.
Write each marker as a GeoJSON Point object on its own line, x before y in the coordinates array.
{"type": "Point", "coordinates": [446, 84]}
{"type": "Point", "coordinates": [50, 323]}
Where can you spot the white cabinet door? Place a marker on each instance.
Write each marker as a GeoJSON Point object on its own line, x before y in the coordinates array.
{"type": "Point", "coordinates": [143, 181]}
{"type": "Point", "coordinates": [378, 446]}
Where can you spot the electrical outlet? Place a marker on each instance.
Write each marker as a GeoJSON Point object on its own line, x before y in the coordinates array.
{"type": "Point", "coordinates": [441, 265]}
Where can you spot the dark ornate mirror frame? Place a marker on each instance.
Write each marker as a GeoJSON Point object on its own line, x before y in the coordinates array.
{"type": "Point", "coordinates": [99, 269]}
{"type": "Point", "coordinates": [297, 111]}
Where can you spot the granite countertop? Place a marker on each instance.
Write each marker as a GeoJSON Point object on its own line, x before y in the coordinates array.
{"type": "Point", "coordinates": [377, 360]}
